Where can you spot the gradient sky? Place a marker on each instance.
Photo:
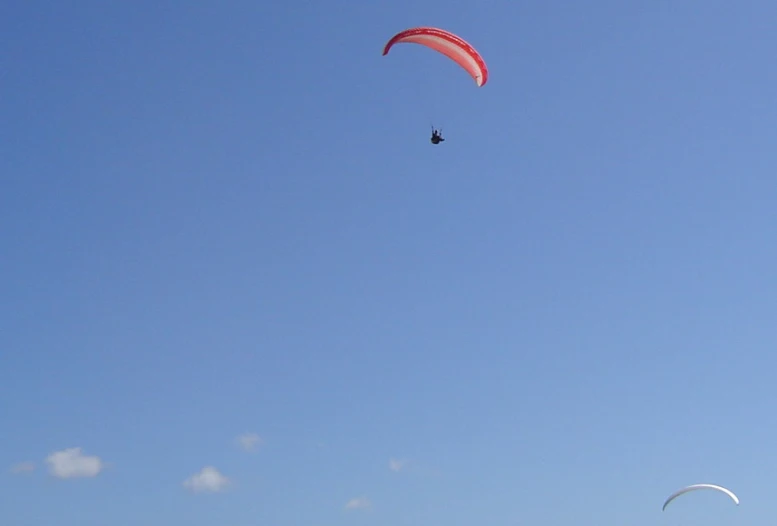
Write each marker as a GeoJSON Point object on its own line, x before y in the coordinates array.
{"type": "Point", "coordinates": [221, 218]}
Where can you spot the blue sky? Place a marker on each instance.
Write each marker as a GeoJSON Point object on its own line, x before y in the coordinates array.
{"type": "Point", "coordinates": [222, 218]}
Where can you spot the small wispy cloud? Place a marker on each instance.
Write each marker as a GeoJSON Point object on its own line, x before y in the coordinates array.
{"type": "Point", "coordinates": [249, 441]}
{"type": "Point", "coordinates": [72, 463]}
{"type": "Point", "coordinates": [359, 503]}
{"type": "Point", "coordinates": [397, 465]}
{"type": "Point", "coordinates": [22, 467]}
{"type": "Point", "coordinates": [208, 480]}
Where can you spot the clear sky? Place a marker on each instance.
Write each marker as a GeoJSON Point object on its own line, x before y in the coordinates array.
{"type": "Point", "coordinates": [220, 218]}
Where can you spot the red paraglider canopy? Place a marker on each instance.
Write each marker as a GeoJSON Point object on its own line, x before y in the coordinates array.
{"type": "Point", "coordinates": [450, 45]}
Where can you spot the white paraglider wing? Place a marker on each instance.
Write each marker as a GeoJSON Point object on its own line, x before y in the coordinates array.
{"type": "Point", "coordinates": [695, 487]}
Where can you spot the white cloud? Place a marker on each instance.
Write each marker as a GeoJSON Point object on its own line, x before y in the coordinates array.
{"type": "Point", "coordinates": [360, 503]}
{"type": "Point", "coordinates": [72, 463]}
{"type": "Point", "coordinates": [22, 467]}
{"type": "Point", "coordinates": [208, 480]}
{"type": "Point", "coordinates": [249, 441]}
{"type": "Point", "coordinates": [397, 465]}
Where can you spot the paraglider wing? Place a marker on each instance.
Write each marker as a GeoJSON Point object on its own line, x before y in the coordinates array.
{"type": "Point", "coordinates": [695, 487]}
{"type": "Point", "coordinates": [450, 45]}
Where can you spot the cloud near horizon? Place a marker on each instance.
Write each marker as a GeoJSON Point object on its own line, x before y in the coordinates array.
{"type": "Point", "coordinates": [249, 441]}
{"type": "Point", "coordinates": [360, 503]}
{"type": "Point", "coordinates": [397, 465]}
{"type": "Point", "coordinates": [72, 463]}
{"type": "Point", "coordinates": [22, 467]}
{"type": "Point", "coordinates": [208, 480]}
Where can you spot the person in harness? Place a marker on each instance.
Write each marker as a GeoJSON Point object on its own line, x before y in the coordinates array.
{"type": "Point", "coordinates": [437, 136]}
